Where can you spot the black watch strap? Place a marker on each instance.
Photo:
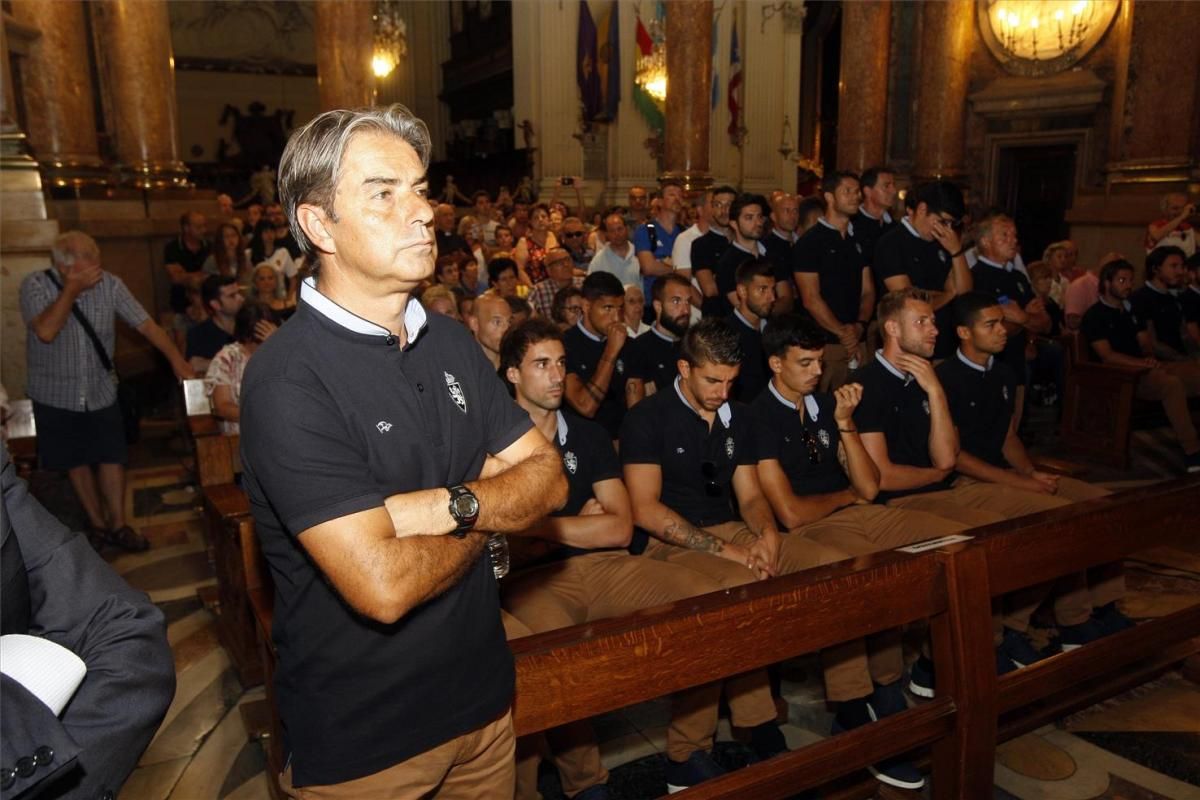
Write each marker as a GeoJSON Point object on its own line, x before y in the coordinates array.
{"type": "Point", "coordinates": [464, 508]}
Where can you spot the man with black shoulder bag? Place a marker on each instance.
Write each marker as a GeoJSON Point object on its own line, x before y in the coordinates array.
{"type": "Point", "coordinates": [71, 312]}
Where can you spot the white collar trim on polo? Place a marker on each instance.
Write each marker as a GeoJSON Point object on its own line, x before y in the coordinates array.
{"type": "Point", "coordinates": [907, 223]}
{"type": "Point", "coordinates": [414, 314]}
{"type": "Point", "coordinates": [758, 246]}
{"type": "Point", "coordinates": [810, 402]}
{"type": "Point", "coordinates": [1156, 289]}
{"type": "Point", "coordinates": [1125, 304]}
{"type": "Point", "coordinates": [790, 238]}
{"type": "Point", "coordinates": [666, 337]}
{"type": "Point", "coordinates": [962, 357]}
{"type": "Point", "coordinates": [724, 413]}
{"type": "Point", "coordinates": [588, 333]}
{"type": "Point", "coordinates": [982, 259]}
{"type": "Point", "coordinates": [762, 323]}
{"type": "Point", "coordinates": [890, 367]}
{"type": "Point", "coordinates": [832, 227]}
{"type": "Point", "coordinates": [887, 217]}
{"type": "Point", "coordinates": [562, 429]}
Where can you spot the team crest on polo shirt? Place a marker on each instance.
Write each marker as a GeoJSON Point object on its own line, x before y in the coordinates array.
{"type": "Point", "coordinates": [858, 247]}
{"type": "Point", "coordinates": [1004, 390]}
{"type": "Point", "coordinates": [942, 255]}
{"type": "Point", "coordinates": [570, 462]}
{"type": "Point", "coordinates": [456, 392]}
{"type": "Point", "coordinates": [925, 405]}
{"type": "Point", "coordinates": [620, 366]}
{"type": "Point", "coordinates": [729, 447]}
{"type": "Point", "coordinates": [823, 438]}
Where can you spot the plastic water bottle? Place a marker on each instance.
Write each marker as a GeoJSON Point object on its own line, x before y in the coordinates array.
{"type": "Point", "coordinates": [497, 547]}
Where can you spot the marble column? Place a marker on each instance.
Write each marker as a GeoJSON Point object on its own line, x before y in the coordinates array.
{"type": "Point", "coordinates": [941, 110]}
{"type": "Point", "coordinates": [689, 89]}
{"type": "Point", "coordinates": [345, 41]}
{"type": "Point", "coordinates": [59, 102]}
{"type": "Point", "coordinates": [862, 84]}
{"type": "Point", "coordinates": [134, 40]}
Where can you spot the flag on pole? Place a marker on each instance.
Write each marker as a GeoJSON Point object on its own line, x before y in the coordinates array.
{"type": "Point", "coordinates": [609, 39]}
{"type": "Point", "coordinates": [586, 73]}
{"type": "Point", "coordinates": [734, 93]}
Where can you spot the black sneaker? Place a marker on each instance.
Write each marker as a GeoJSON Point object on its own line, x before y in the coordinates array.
{"type": "Point", "coordinates": [920, 678]}
{"type": "Point", "coordinates": [1111, 619]}
{"type": "Point", "coordinates": [767, 740]}
{"type": "Point", "coordinates": [597, 792]}
{"type": "Point", "coordinates": [1016, 647]}
{"type": "Point", "coordinates": [698, 768]}
{"type": "Point", "coordinates": [886, 700]}
{"type": "Point", "coordinates": [1072, 637]}
{"type": "Point", "coordinates": [852, 714]}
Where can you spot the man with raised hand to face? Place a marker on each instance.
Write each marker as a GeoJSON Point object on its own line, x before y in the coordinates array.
{"type": "Point", "coordinates": [366, 429]}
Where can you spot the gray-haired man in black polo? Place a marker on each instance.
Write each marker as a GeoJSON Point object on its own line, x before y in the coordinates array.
{"type": "Point", "coordinates": [378, 445]}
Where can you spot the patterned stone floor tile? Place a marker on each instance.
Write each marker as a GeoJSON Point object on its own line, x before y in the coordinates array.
{"type": "Point", "coordinates": [1096, 758]}
{"type": "Point", "coordinates": [1034, 757]}
{"type": "Point", "coordinates": [195, 646]}
{"type": "Point", "coordinates": [253, 789]}
{"type": "Point", "coordinates": [181, 628]}
{"type": "Point", "coordinates": [624, 749]}
{"type": "Point", "coordinates": [184, 734]}
{"type": "Point", "coordinates": [1171, 707]}
{"type": "Point", "coordinates": [154, 781]}
{"type": "Point", "coordinates": [1174, 754]}
{"type": "Point", "coordinates": [221, 750]}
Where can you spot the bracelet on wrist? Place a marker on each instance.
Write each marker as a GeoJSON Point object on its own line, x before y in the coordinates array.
{"type": "Point", "coordinates": [848, 430]}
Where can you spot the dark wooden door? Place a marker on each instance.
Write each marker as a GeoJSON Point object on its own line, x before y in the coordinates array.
{"type": "Point", "coordinates": [1036, 186]}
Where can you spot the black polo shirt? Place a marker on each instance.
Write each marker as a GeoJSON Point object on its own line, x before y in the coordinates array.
{"type": "Point", "coordinates": [1189, 298]}
{"type": "Point", "coordinates": [1165, 310]}
{"type": "Point", "coordinates": [895, 405]}
{"type": "Point", "coordinates": [902, 251]}
{"type": "Point", "coordinates": [655, 358]}
{"type": "Point", "coordinates": [838, 263]}
{"type": "Point", "coordinates": [1117, 326]}
{"type": "Point", "coordinates": [450, 242]}
{"type": "Point", "coordinates": [665, 430]}
{"type": "Point", "coordinates": [753, 375]}
{"type": "Point", "coordinates": [981, 402]}
{"type": "Point", "coordinates": [583, 355]}
{"type": "Point", "coordinates": [176, 252]}
{"type": "Point", "coordinates": [1007, 284]}
{"type": "Point", "coordinates": [779, 250]}
{"type": "Point", "coordinates": [868, 230]}
{"type": "Point", "coordinates": [336, 418]}
{"type": "Point", "coordinates": [725, 274]}
{"type": "Point", "coordinates": [206, 340]}
{"type": "Point", "coordinates": [781, 434]}
{"type": "Point", "coordinates": [707, 250]}
{"type": "Point", "coordinates": [588, 458]}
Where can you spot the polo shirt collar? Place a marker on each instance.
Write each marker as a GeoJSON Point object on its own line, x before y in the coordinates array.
{"type": "Point", "coordinates": [719, 231]}
{"type": "Point", "coordinates": [666, 337]}
{"type": "Point", "coordinates": [907, 223]}
{"type": "Point", "coordinates": [887, 217]}
{"type": "Point", "coordinates": [849, 226]}
{"type": "Point", "coordinates": [1195, 289]}
{"type": "Point", "coordinates": [1125, 304]}
{"type": "Point", "coordinates": [724, 413]}
{"type": "Point", "coordinates": [890, 367]}
{"type": "Point", "coordinates": [762, 323]}
{"type": "Point", "coordinates": [810, 403]}
{"type": "Point", "coordinates": [961, 357]}
{"type": "Point", "coordinates": [588, 333]}
{"type": "Point", "coordinates": [982, 259]}
{"type": "Point", "coordinates": [790, 238]}
{"type": "Point", "coordinates": [1154, 288]}
{"type": "Point", "coordinates": [414, 314]}
{"type": "Point", "coordinates": [562, 429]}
{"type": "Point", "coordinates": [758, 251]}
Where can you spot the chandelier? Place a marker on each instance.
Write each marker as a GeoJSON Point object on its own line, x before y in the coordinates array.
{"type": "Point", "coordinates": [1039, 37]}
{"type": "Point", "coordinates": [391, 37]}
{"type": "Point", "coordinates": [651, 72]}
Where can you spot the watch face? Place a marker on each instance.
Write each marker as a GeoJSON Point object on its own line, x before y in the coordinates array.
{"type": "Point", "coordinates": [466, 506]}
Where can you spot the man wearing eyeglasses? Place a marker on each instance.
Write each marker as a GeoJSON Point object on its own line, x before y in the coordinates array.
{"type": "Point", "coordinates": [925, 251]}
{"type": "Point", "coordinates": [820, 482]}
{"type": "Point", "coordinates": [574, 240]}
{"type": "Point", "coordinates": [560, 273]}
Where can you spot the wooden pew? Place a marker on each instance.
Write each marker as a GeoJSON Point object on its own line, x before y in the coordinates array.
{"type": "Point", "coordinates": [237, 562]}
{"type": "Point", "coordinates": [578, 672]}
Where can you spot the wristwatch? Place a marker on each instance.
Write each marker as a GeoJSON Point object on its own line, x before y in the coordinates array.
{"type": "Point", "coordinates": [464, 507]}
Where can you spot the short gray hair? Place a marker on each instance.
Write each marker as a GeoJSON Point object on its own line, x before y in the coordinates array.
{"type": "Point", "coordinates": [312, 161]}
{"type": "Point", "coordinates": [70, 245]}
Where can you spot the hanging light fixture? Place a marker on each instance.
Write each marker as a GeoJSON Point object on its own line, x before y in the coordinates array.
{"type": "Point", "coordinates": [391, 38]}
{"type": "Point", "coordinates": [651, 73]}
{"type": "Point", "coordinates": [1039, 37]}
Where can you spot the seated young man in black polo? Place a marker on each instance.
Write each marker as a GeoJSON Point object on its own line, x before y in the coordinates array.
{"type": "Point", "coordinates": [600, 385]}
{"type": "Point", "coordinates": [905, 425]}
{"type": "Point", "coordinates": [222, 299]}
{"type": "Point", "coordinates": [834, 278]}
{"type": "Point", "coordinates": [656, 351]}
{"type": "Point", "coordinates": [981, 392]}
{"type": "Point", "coordinates": [755, 299]}
{"type": "Point", "coordinates": [820, 483]}
{"type": "Point", "coordinates": [1118, 336]}
{"type": "Point", "coordinates": [1160, 304]}
{"type": "Point", "coordinates": [591, 575]}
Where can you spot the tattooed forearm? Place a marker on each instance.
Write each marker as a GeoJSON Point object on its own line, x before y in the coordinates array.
{"type": "Point", "coordinates": [681, 533]}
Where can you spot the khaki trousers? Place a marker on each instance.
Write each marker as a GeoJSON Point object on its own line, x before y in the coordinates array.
{"type": "Point", "coordinates": [1172, 383]}
{"type": "Point", "coordinates": [976, 503]}
{"type": "Point", "coordinates": [610, 584]}
{"type": "Point", "coordinates": [835, 369]}
{"type": "Point", "coordinates": [475, 765]}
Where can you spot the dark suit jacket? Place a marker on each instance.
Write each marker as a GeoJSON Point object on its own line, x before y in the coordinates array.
{"type": "Point", "coordinates": [77, 601]}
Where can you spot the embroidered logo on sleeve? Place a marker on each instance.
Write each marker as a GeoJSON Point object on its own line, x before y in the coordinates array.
{"type": "Point", "coordinates": [456, 392]}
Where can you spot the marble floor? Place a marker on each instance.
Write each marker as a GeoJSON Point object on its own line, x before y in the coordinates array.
{"type": "Point", "coordinates": [1144, 745]}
